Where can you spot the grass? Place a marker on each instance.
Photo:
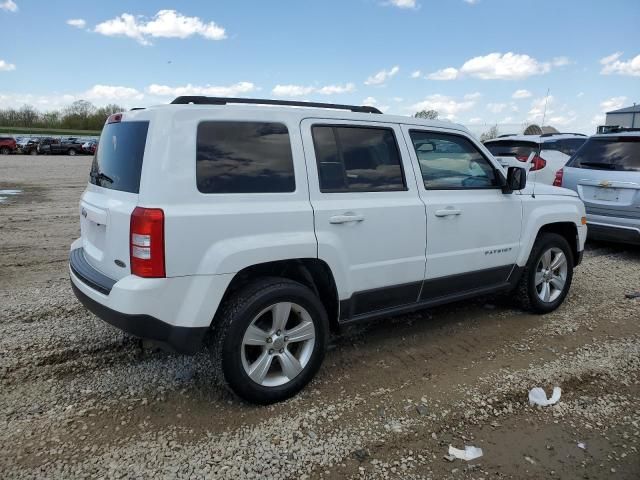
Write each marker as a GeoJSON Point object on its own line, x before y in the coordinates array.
{"type": "Point", "coordinates": [49, 131]}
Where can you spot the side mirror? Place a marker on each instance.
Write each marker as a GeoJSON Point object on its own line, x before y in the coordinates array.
{"type": "Point", "coordinates": [516, 179]}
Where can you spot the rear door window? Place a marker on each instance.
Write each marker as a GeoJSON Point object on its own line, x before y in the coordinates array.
{"type": "Point", "coordinates": [512, 148]}
{"type": "Point", "coordinates": [357, 159]}
{"type": "Point", "coordinates": [117, 164]}
{"type": "Point", "coordinates": [609, 153]}
{"type": "Point", "coordinates": [244, 157]}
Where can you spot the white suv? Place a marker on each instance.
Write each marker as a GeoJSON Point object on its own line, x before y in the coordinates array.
{"type": "Point", "coordinates": [551, 152]}
{"type": "Point", "coordinates": [270, 226]}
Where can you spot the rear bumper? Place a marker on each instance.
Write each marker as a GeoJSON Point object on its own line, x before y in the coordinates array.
{"type": "Point", "coordinates": [175, 311]}
{"type": "Point", "coordinates": [180, 339]}
{"type": "Point", "coordinates": [612, 229]}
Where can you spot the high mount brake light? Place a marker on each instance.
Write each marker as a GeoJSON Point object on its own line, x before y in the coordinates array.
{"type": "Point", "coordinates": [115, 118]}
{"type": "Point", "coordinates": [146, 243]}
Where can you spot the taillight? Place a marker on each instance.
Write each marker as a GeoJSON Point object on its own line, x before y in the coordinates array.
{"type": "Point", "coordinates": [146, 242]}
{"type": "Point", "coordinates": [557, 182]}
{"type": "Point", "coordinates": [538, 163]}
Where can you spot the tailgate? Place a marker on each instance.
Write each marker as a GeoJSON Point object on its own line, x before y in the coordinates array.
{"type": "Point", "coordinates": [111, 197]}
{"type": "Point", "coordinates": [611, 197]}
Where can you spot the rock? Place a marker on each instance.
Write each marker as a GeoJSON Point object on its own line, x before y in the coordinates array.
{"type": "Point", "coordinates": [422, 409]}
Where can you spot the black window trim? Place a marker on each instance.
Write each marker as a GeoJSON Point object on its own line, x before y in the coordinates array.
{"type": "Point", "coordinates": [333, 127]}
{"type": "Point", "coordinates": [498, 173]}
{"type": "Point", "coordinates": [220, 120]}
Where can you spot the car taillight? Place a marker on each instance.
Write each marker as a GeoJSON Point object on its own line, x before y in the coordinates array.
{"type": "Point", "coordinates": [146, 242]}
{"type": "Point", "coordinates": [115, 118]}
{"type": "Point", "coordinates": [538, 163]}
{"type": "Point", "coordinates": [557, 182]}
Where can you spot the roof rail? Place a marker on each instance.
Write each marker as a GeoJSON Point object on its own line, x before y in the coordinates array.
{"type": "Point", "coordinates": [562, 133]}
{"type": "Point", "coordinates": [504, 135]}
{"type": "Point", "coordinates": [202, 100]}
{"type": "Point", "coordinates": [616, 129]}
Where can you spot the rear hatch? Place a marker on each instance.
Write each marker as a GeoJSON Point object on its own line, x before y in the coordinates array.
{"type": "Point", "coordinates": [111, 196]}
{"type": "Point", "coordinates": [606, 174]}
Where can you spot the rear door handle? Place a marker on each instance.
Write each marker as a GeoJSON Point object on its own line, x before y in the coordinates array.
{"type": "Point", "coordinates": [448, 212]}
{"type": "Point", "coordinates": [346, 218]}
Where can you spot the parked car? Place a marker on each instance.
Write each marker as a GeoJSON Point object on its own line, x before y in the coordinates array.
{"type": "Point", "coordinates": [44, 147]}
{"type": "Point", "coordinates": [90, 146]}
{"type": "Point", "coordinates": [269, 226]}
{"type": "Point", "coordinates": [66, 146]}
{"type": "Point", "coordinates": [7, 145]}
{"type": "Point", "coordinates": [606, 174]}
{"type": "Point", "coordinates": [552, 151]}
{"type": "Point", "coordinates": [28, 146]}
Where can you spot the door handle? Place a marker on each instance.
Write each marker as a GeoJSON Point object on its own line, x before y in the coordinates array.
{"type": "Point", "coordinates": [346, 218]}
{"type": "Point", "coordinates": [448, 212]}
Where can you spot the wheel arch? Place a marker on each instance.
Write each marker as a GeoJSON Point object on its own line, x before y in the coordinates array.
{"type": "Point", "coordinates": [568, 230]}
{"type": "Point", "coordinates": [311, 272]}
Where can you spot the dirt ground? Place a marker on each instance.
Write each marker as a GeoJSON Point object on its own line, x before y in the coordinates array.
{"type": "Point", "coordinates": [80, 399]}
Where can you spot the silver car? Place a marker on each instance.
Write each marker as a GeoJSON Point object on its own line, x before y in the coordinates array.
{"type": "Point", "coordinates": [605, 172]}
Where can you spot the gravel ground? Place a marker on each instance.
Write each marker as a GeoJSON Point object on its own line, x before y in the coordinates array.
{"type": "Point", "coordinates": [79, 399]}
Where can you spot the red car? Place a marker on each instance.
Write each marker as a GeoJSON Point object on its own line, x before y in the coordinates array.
{"type": "Point", "coordinates": [7, 145]}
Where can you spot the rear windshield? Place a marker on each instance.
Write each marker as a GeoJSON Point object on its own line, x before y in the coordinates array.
{"type": "Point", "coordinates": [615, 153]}
{"type": "Point", "coordinates": [568, 146]}
{"type": "Point", "coordinates": [118, 161]}
{"type": "Point", "coordinates": [511, 148]}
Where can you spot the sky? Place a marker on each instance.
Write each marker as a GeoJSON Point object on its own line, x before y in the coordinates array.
{"type": "Point", "coordinates": [477, 62]}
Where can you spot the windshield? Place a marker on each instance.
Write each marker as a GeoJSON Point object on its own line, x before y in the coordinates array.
{"type": "Point", "coordinates": [118, 160]}
{"type": "Point", "coordinates": [609, 153]}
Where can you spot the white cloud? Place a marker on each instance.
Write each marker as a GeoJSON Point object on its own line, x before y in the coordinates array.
{"type": "Point", "coordinates": [471, 2]}
{"type": "Point", "coordinates": [112, 92]}
{"type": "Point", "coordinates": [473, 96]}
{"type": "Point", "coordinates": [522, 93]}
{"type": "Point", "coordinates": [447, 107]}
{"type": "Point", "coordinates": [475, 120]}
{"type": "Point", "coordinates": [372, 102]}
{"type": "Point", "coordinates": [382, 76]}
{"type": "Point", "coordinates": [9, 6]}
{"type": "Point", "coordinates": [416, 74]}
{"type": "Point", "coordinates": [538, 108]}
{"type": "Point", "coordinates": [613, 65]}
{"type": "Point", "coordinates": [496, 107]}
{"type": "Point", "coordinates": [562, 120]}
{"type": "Point", "coordinates": [336, 89]}
{"type": "Point", "coordinates": [234, 90]}
{"type": "Point", "coordinates": [6, 67]}
{"type": "Point", "coordinates": [499, 66]}
{"type": "Point", "coordinates": [404, 3]}
{"type": "Point", "coordinates": [444, 74]}
{"type": "Point", "coordinates": [77, 22]}
{"type": "Point", "coordinates": [613, 103]}
{"type": "Point", "coordinates": [580, 94]}
{"type": "Point", "coordinates": [165, 24]}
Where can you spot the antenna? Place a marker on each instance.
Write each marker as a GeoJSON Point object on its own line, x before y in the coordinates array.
{"type": "Point", "coordinates": [535, 174]}
{"type": "Point", "coordinates": [546, 101]}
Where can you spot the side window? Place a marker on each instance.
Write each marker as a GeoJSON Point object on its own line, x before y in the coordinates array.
{"type": "Point", "coordinates": [450, 162]}
{"type": "Point", "coordinates": [357, 159]}
{"type": "Point", "coordinates": [244, 157]}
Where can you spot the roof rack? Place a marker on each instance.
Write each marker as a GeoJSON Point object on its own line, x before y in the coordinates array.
{"type": "Point", "coordinates": [562, 133]}
{"type": "Point", "coordinates": [504, 135]}
{"type": "Point", "coordinates": [201, 100]}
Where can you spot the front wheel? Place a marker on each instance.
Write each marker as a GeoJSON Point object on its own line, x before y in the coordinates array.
{"type": "Point", "coordinates": [72, 152]}
{"type": "Point", "coordinates": [547, 276]}
{"type": "Point", "coordinates": [270, 339]}
{"type": "Point", "coordinates": [4, 151]}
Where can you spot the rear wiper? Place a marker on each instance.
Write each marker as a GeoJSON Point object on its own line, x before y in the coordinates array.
{"type": "Point", "coordinates": [603, 166]}
{"type": "Point", "coordinates": [99, 176]}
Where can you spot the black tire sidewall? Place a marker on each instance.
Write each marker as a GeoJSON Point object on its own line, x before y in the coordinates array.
{"type": "Point", "coordinates": [547, 241]}
{"type": "Point", "coordinates": [231, 360]}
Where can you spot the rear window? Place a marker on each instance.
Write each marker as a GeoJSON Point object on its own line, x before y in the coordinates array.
{"type": "Point", "coordinates": [244, 157]}
{"type": "Point", "coordinates": [511, 148]}
{"type": "Point", "coordinates": [568, 146]}
{"type": "Point", "coordinates": [616, 153]}
{"type": "Point", "coordinates": [117, 163]}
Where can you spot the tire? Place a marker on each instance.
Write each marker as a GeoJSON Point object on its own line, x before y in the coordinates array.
{"type": "Point", "coordinates": [72, 152]}
{"type": "Point", "coordinates": [5, 151]}
{"type": "Point", "coordinates": [238, 355]}
{"type": "Point", "coordinates": [33, 152]}
{"type": "Point", "coordinates": [540, 289]}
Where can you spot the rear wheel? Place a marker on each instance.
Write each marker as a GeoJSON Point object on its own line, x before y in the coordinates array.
{"type": "Point", "coordinates": [547, 276]}
{"type": "Point", "coordinates": [270, 339]}
{"type": "Point", "coordinates": [72, 152]}
{"type": "Point", "coordinates": [5, 151]}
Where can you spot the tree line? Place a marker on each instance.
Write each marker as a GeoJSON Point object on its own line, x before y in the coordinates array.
{"type": "Point", "coordinates": [80, 115]}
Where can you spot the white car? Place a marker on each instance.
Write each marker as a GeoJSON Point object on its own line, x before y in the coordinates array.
{"type": "Point", "coordinates": [551, 152]}
{"type": "Point", "coordinates": [270, 226]}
